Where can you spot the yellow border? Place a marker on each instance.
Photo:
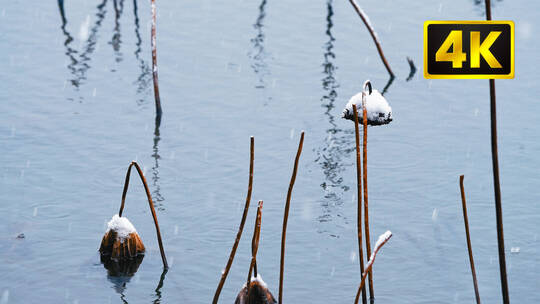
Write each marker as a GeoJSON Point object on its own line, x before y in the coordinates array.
{"type": "Point", "coordinates": [472, 76]}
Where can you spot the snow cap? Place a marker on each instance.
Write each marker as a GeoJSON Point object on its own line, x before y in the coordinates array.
{"type": "Point", "coordinates": [378, 110]}
{"type": "Point", "coordinates": [257, 279]}
{"type": "Point", "coordinates": [122, 226]}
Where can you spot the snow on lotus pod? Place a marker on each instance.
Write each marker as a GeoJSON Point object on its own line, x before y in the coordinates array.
{"type": "Point", "coordinates": [378, 110]}
{"type": "Point", "coordinates": [121, 248]}
{"type": "Point", "coordinates": [258, 293]}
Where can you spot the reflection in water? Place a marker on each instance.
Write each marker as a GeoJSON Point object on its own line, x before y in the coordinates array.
{"type": "Point", "coordinates": [143, 81]}
{"type": "Point", "coordinates": [258, 54]}
{"type": "Point", "coordinates": [156, 195]}
{"type": "Point", "coordinates": [412, 68]}
{"type": "Point", "coordinates": [79, 67]}
{"type": "Point", "coordinates": [120, 286]}
{"type": "Point", "coordinates": [70, 52]}
{"type": "Point", "coordinates": [91, 42]}
{"type": "Point", "coordinates": [338, 143]}
{"type": "Point", "coordinates": [157, 300]}
{"type": "Point", "coordinates": [388, 84]}
{"type": "Point", "coordinates": [116, 40]}
{"type": "Point", "coordinates": [483, 2]}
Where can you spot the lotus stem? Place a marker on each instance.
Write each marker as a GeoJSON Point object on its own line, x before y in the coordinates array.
{"type": "Point", "coordinates": [154, 59]}
{"type": "Point", "coordinates": [469, 246]}
{"type": "Point", "coordinates": [255, 245]}
{"type": "Point", "coordinates": [364, 173]}
{"type": "Point", "coordinates": [496, 181]}
{"type": "Point", "coordinates": [359, 195]}
{"type": "Point", "coordinates": [366, 21]}
{"type": "Point", "coordinates": [242, 222]}
{"type": "Point", "coordinates": [382, 240]}
{"type": "Point", "coordinates": [150, 203]}
{"type": "Point", "coordinates": [286, 217]}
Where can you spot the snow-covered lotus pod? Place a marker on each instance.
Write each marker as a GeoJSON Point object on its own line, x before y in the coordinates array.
{"type": "Point", "coordinates": [378, 110]}
{"type": "Point", "coordinates": [121, 241]}
{"type": "Point", "coordinates": [258, 293]}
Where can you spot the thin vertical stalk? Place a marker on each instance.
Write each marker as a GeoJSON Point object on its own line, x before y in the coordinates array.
{"type": "Point", "coordinates": [255, 245]}
{"type": "Point", "coordinates": [242, 222]}
{"type": "Point", "coordinates": [469, 246]}
{"type": "Point", "coordinates": [366, 21]}
{"type": "Point", "coordinates": [154, 60]}
{"type": "Point", "coordinates": [150, 202]}
{"type": "Point", "coordinates": [255, 238]}
{"type": "Point", "coordinates": [366, 212]}
{"type": "Point", "coordinates": [286, 217]}
{"type": "Point", "coordinates": [382, 240]}
{"type": "Point", "coordinates": [359, 205]}
{"type": "Point", "coordinates": [496, 181]}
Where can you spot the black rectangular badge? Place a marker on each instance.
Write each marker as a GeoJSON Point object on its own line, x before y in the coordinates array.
{"type": "Point", "coordinates": [468, 49]}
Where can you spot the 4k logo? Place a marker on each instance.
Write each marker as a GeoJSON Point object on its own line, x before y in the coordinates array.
{"type": "Point", "coordinates": [468, 49]}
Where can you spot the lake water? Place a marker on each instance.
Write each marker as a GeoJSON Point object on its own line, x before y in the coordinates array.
{"type": "Point", "coordinates": [76, 106]}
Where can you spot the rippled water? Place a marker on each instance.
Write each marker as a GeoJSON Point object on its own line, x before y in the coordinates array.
{"type": "Point", "coordinates": [77, 106]}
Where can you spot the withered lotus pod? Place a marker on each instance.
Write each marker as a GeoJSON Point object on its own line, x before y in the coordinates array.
{"type": "Point", "coordinates": [121, 240]}
{"type": "Point", "coordinates": [258, 293]}
{"type": "Point", "coordinates": [122, 250]}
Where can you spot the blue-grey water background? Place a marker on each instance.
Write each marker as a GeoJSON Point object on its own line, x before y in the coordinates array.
{"type": "Point", "coordinates": [76, 106]}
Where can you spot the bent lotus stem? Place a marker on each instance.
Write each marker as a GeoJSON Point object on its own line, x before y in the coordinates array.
{"type": "Point", "coordinates": [359, 194]}
{"type": "Point", "coordinates": [286, 217]}
{"type": "Point", "coordinates": [367, 85]}
{"type": "Point", "coordinates": [382, 240]}
{"type": "Point", "coordinates": [150, 203]}
{"type": "Point", "coordinates": [366, 21]}
{"type": "Point", "coordinates": [241, 227]}
{"type": "Point", "coordinates": [255, 245]}
{"type": "Point", "coordinates": [467, 234]}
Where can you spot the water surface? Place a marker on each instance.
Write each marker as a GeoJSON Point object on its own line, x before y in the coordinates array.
{"type": "Point", "coordinates": [77, 106]}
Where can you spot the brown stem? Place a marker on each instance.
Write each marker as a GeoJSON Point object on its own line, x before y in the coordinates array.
{"type": "Point", "coordinates": [373, 35]}
{"type": "Point", "coordinates": [286, 217]}
{"type": "Point", "coordinates": [154, 60]}
{"type": "Point", "coordinates": [369, 265]}
{"type": "Point", "coordinates": [496, 181]}
{"type": "Point", "coordinates": [255, 245]}
{"type": "Point", "coordinates": [150, 202]}
{"type": "Point", "coordinates": [366, 214]}
{"type": "Point", "coordinates": [255, 238]}
{"type": "Point", "coordinates": [242, 222]}
{"type": "Point", "coordinates": [359, 194]}
{"type": "Point", "coordinates": [469, 246]}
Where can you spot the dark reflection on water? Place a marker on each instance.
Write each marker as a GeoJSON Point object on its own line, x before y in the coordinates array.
{"type": "Point", "coordinates": [120, 284]}
{"type": "Point", "coordinates": [116, 40]}
{"type": "Point", "coordinates": [117, 268]}
{"type": "Point", "coordinates": [388, 84]}
{"type": "Point", "coordinates": [79, 66]}
{"type": "Point", "coordinates": [258, 54]}
{"type": "Point", "coordinates": [144, 78]}
{"type": "Point", "coordinates": [70, 52]}
{"type": "Point", "coordinates": [481, 5]}
{"type": "Point", "coordinates": [338, 142]}
{"type": "Point", "coordinates": [91, 43]}
{"type": "Point", "coordinates": [412, 69]}
{"type": "Point", "coordinates": [159, 286]}
{"type": "Point", "coordinates": [156, 194]}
